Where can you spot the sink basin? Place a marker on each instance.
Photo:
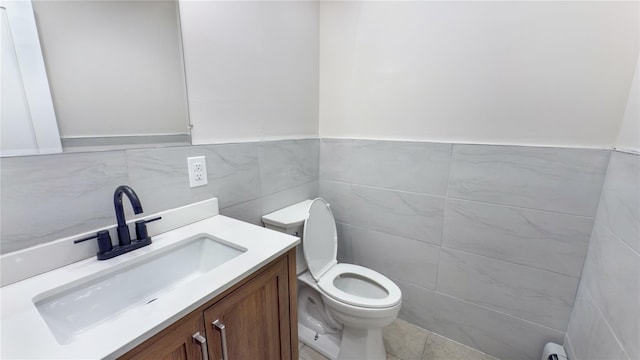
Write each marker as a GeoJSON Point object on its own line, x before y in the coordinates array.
{"type": "Point", "coordinates": [76, 307]}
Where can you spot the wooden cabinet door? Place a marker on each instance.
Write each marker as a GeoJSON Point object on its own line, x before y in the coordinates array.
{"type": "Point", "coordinates": [173, 343]}
{"type": "Point", "coordinates": [256, 319]}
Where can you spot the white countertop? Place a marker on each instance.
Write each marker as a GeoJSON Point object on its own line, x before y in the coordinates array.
{"type": "Point", "coordinates": [25, 335]}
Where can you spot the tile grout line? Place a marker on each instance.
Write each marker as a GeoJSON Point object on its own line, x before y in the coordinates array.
{"type": "Point", "coordinates": [388, 233]}
{"type": "Point", "coordinates": [426, 344]}
{"type": "Point", "coordinates": [587, 294]}
{"type": "Point", "coordinates": [511, 262]}
{"type": "Point", "coordinates": [500, 312]}
{"type": "Point", "coordinates": [444, 219]}
{"type": "Point", "coordinates": [447, 197]}
{"type": "Point", "coordinates": [443, 247]}
{"type": "Point", "coordinates": [260, 158]}
{"type": "Point", "coordinates": [523, 208]}
{"type": "Point", "coordinates": [607, 228]}
{"type": "Point", "coordinates": [383, 188]}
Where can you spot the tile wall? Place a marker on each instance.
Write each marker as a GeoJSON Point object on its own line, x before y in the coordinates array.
{"type": "Point", "coordinates": [47, 197]}
{"type": "Point", "coordinates": [487, 243]}
{"type": "Point", "coordinates": [605, 323]}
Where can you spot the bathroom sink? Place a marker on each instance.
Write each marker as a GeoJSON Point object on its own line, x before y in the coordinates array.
{"type": "Point", "coordinates": [76, 307]}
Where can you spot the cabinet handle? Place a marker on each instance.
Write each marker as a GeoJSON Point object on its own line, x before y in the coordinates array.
{"type": "Point", "coordinates": [223, 334]}
{"type": "Point", "coordinates": [202, 341]}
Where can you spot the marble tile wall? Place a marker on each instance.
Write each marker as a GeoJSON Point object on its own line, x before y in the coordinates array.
{"type": "Point", "coordinates": [605, 322]}
{"type": "Point", "coordinates": [44, 198]}
{"type": "Point", "coordinates": [487, 243]}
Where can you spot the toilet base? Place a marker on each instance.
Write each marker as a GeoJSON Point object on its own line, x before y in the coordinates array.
{"type": "Point", "coordinates": [362, 344]}
{"type": "Point", "coordinates": [328, 344]}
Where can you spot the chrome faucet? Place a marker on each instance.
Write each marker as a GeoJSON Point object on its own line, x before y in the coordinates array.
{"type": "Point", "coordinates": [123, 230]}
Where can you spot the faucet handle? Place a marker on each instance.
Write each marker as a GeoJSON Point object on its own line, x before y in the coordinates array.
{"type": "Point", "coordinates": [104, 241]}
{"type": "Point", "coordinates": [141, 228]}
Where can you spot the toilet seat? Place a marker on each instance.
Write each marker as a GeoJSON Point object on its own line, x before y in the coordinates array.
{"type": "Point", "coordinates": [351, 284]}
{"type": "Point", "coordinates": [388, 293]}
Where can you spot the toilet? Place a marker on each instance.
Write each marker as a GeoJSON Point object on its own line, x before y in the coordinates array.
{"type": "Point", "coordinates": [342, 308]}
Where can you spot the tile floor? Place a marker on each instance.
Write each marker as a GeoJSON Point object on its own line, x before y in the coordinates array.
{"type": "Point", "coordinates": [405, 341]}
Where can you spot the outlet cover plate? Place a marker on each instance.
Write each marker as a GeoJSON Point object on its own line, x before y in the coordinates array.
{"type": "Point", "coordinates": [197, 167]}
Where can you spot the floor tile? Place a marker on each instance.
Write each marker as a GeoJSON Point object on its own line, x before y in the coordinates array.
{"type": "Point", "coordinates": [441, 348]}
{"type": "Point", "coordinates": [404, 340]}
{"type": "Point", "coordinates": [307, 353]}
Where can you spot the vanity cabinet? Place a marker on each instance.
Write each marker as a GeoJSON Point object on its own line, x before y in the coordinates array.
{"type": "Point", "coordinates": [256, 318]}
{"type": "Point", "coordinates": [176, 342]}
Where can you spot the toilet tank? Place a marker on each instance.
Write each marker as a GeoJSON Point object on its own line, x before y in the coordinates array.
{"type": "Point", "coordinates": [290, 220]}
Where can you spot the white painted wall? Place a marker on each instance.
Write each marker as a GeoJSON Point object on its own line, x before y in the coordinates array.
{"type": "Point", "coordinates": [530, 73]}
{"type": "Point", "coordinates": [252, 69]}
{"type": "Point", "coordinates": [115, 67]}
{"type": "Point", "coordinates": [629, 135]}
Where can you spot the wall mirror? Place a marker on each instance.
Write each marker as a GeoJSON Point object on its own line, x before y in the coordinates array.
{"type": "Point", "coordinates": [114, 72]}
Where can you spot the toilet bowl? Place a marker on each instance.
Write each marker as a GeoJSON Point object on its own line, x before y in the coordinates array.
{"type": "Point", "coordinates": [312, 313]}
{"type": "Point", "coordinates": [359, 299]}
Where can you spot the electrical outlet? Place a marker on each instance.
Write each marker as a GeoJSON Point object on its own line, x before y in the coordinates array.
{"type": "Point", "coordinates": [197, 171]}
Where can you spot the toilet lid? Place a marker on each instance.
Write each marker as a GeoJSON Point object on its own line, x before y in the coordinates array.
{"type": "Point", "coordinates": [319, 238]}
